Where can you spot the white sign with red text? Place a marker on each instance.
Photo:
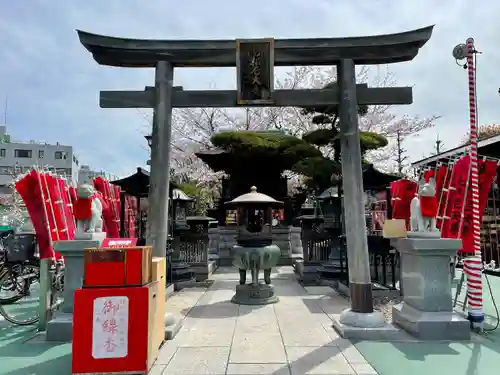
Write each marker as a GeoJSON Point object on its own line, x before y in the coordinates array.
{"type": "Point", "coordinates": [110, 327]}
{"type": "Point", "coordinates": [116, 243]}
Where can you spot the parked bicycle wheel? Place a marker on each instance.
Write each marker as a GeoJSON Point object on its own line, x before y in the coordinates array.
{"type": "Point", "coordinates": [10, 288]}
{"type": "Point", "coordinates": [24, 279]}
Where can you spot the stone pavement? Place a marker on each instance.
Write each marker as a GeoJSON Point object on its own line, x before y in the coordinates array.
{"type": "Point", "coordinates": [293, 337]}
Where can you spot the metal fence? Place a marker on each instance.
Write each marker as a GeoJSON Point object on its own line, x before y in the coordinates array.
{"type": "Point", "coordinates": [318, 247]}
{"type": "Point", "coordinates": [193, 244]}
{"type": "Point", "coordinates": [322, 246]}
{"type": "Point", "coordinates": [384, 264]}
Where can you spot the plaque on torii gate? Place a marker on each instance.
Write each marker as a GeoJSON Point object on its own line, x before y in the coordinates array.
{"type": "Point", "coordinates": [255, 71]}
{"type": "Point", "coordinates": [255, 88]}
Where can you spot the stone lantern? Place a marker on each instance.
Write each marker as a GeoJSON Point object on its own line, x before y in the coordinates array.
{"type": "Point", "coordinates": [254, 249]}
{"type": "Point", "coordinates": [180, 205]}
{"type": "Point", "coordinates": [182, 272]}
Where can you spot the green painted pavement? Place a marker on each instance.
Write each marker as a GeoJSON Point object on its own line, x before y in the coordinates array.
{"type": "Point", "coordinates": [20, 355]}
{"type": "Point", "coordinates": [480, 357]}
{"type": "Point", "coordinates": [17, 357]}
{"type": "Point", "coordinates": [427, 358]}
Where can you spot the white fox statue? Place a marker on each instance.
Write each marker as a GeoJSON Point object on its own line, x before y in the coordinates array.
{"type": "Point", "coordinates": [424, 207]}
{"type": "Point", "coordinates": [87, 210]}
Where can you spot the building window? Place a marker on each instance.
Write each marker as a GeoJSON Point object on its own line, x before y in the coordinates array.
{"type": "Point", "coordinates": [75, 160]}
{"type": "Point", "coordinates": [41, 154]}
{"type": "Point", "coordinates": [63, 171]}
{"type": "Point", "coordinates": [60, 155]}
{"type": "Point", "coordinates": [3, 152]}
{"type": "Point", "coordinates": [23, 153]}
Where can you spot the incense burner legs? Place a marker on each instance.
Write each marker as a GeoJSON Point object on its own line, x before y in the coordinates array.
{"type": "Point", "coordinates": [255, 259]}
{"type": "Point", "coordinates": [255, 275]}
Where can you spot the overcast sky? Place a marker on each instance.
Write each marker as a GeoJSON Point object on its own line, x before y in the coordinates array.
{"type": "Point", "coordinates": [52, 82]}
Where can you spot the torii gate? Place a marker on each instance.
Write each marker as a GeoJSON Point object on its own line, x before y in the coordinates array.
{"type": "Point", "coordinates": [255, 60]}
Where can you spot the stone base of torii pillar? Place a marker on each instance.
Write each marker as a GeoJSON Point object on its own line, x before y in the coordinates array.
{"type": "Point", "coordinates": [172, 326]}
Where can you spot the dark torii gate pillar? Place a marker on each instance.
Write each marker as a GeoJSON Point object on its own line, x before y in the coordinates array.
{"type": "Point", "coordinates": [157, 224]}
{"type": "Point", "coordinates": [255, 61]}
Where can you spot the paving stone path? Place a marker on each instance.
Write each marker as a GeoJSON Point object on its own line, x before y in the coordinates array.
{"type": "Point", "coordinates": [293, 337]}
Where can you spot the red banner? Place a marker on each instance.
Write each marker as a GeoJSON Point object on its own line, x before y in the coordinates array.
{"type": "Point", "coordinates": [110, 212]}
{"type": "Point", "coordinates": [43, 196]}
{"type": "Point", "coordinates": [67, 207]}
{"type": "Point", "coordinates": [487, 173]}
{"type": "Point", "coordinates": [131, 207]}
{"type": "Point", "coordinates": [443, 179]}
{"type": "Point", "coordinates": [28, 187]}
{"type": "Point", "coordinates": [461, 192]}
{"type": "Point", "coordinates": [56, 208]}
{"type": "Point", "coordinates": [72, 194]}
{"type": "Point", "coordinates": [402, 192]}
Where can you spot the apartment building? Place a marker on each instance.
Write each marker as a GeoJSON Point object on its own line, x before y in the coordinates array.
{"type": "Point", "coordinates": [86, 175]}
{"type": "Point", "coordinates": [19, 157]}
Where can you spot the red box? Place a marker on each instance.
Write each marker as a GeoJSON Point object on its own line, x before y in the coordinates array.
{"type": "Point", "coordinates": [113, 330]}
{"type": "Point", "coordinates": [107, 267]}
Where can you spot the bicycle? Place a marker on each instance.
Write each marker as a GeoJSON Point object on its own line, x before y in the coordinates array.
{"type": "Point", "coordinates": [20, 274]}
{"type": "Point", "coordinates": [8, 285]}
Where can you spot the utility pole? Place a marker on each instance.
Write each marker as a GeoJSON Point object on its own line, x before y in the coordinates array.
{"type": "Point", "coordinates": [400, 158]}
{"type": "Point", "coordinates": [247, 118]}
{"type": "Point", "coordinates": [438, 145]}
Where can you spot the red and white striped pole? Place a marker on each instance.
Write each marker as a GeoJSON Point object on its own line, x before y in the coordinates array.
{"type": "Point", "coordinates": [473, 264]}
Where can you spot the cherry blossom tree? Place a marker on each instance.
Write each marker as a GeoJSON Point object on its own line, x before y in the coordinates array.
{"type": "Point", "coordinates": [483, 132]}
{"type": "Point", "coordinates": [192, 128]}
{"type": "Point", "coordinates": [379, 119]}
{"type": "Point", "coordinates": [12, 209]}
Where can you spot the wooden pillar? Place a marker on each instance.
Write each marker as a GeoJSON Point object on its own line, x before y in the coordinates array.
{"type": "Point", "coordinates": [357, 248]}
{"type": "Point", "coordinates": [122, 214]}
{"type": "Point", "coordinates": [160, 160]}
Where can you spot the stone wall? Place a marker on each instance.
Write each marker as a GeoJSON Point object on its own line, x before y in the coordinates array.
{"type": "Point", "coordinates": [222, 239]}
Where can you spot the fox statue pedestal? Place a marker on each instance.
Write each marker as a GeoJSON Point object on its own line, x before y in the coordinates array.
{"type": "Point", "coordinates": [427, 308]}
{"type": "Point", "coordinates": [88, 215]}
{"type": "Point", "coordinates": [60, 328]}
